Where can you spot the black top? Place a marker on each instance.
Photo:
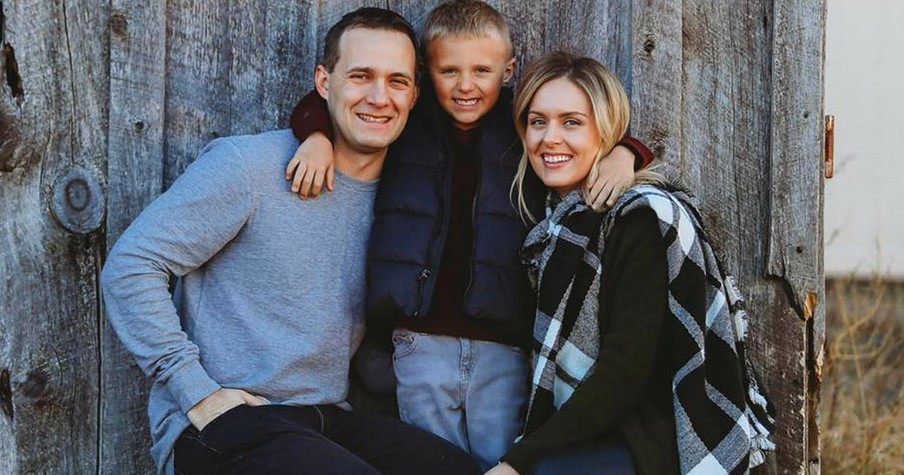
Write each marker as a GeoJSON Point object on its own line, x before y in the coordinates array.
{"type": "Point", "coordinates": [628, 397]}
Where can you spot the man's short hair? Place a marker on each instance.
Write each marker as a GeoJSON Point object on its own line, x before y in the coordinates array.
{"type": "Point", "coordinates": [366, 17]}
{"type": "Point", "coordinates": [466, 18]}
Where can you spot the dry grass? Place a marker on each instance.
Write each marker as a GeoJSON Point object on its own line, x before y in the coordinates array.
{"type": "Point", "coordinates": [862, 412]}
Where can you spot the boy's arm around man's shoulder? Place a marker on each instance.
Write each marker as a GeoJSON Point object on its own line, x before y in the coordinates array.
{"type": "Point", "coordinates": [177, 233]}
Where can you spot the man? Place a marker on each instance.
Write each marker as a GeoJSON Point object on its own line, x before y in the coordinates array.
{"type": "Point", "coordinates": [249, 358]}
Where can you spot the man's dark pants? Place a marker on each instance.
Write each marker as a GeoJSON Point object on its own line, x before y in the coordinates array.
{"type": "Point", "coordinates": [316, 440]}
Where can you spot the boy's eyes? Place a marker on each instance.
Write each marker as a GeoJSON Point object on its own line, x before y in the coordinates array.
{"type": "Point", "coordinates": [452, 72]}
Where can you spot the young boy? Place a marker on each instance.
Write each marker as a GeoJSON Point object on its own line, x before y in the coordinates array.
{"type": "Point", "coordinates": [443, 263]}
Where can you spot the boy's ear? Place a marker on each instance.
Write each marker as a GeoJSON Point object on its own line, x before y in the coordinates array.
{"type": "Point", "coordinates": [509, 70]}
{"type": "Point", "coordinates": [322, 81]}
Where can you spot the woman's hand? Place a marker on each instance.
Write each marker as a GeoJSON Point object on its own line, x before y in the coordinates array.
{"type": "Point", "coordinates": [502, 469]}
{"type": "Point", "coordinates": [609, 178]}
{"type": "Point", "coordinates": [312, 166]}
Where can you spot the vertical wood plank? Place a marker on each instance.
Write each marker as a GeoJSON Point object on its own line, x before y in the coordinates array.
{"type": "Point", "coordinates": [246, 25]}
{"type": "Point", "coordinates": [795, 253]}
{"type": "Point", "coordinates": [290, 57]}
{"type": "Point", "coordinates": [135, 171]}
{"type": "Point", "coordinates": [599, 29]}
{"type": "Point", "coordinates": [53, 95]}
{"type": "Point", "coordinates": [726, 113]}
{"type": "Point", "coordinates": [525, 20]}
{"type": "Point", "coordinates": [328, 13]}
{"type": "Point", "coordinates": [656, 79]}
{"type": "Point", "coordinates": [272, 62]}
{"type": "Point", "coordinates": [198, 67]}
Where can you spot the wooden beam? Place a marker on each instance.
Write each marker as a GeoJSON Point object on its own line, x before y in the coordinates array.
{"type": "Point", "coordinates": [54, 155]}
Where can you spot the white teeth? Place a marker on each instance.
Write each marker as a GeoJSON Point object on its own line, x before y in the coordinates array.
{"type": "Point", "coordinates": [556, 158]}
{"type": "Point", "coordinates": [376, 120]}
{"type": "Point", "coordinates": [466, 102]}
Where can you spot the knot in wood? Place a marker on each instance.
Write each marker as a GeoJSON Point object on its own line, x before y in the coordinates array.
{"type": "Point", "coordinates": [6, 394]}
{"type": "Point", "coordinates": [119, 25]}
{"type": "Point", "coordinates": [35, 384]}
{"type": "Point", "coordinates": [78, 202]}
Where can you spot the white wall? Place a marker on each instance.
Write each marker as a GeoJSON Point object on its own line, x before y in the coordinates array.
{"type": "Point", "coordinates": [864, 89]}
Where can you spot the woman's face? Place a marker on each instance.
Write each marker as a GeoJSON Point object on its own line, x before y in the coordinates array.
{"type": "Point", "coordinates": [561, 135]}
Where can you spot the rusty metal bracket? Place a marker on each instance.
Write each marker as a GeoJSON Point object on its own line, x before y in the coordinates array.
{"type": "Point", "coordinates": [830, 146]}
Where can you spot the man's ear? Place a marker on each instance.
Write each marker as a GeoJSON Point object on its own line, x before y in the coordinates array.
{"type": "Point", "coordinates": [417, 93]}
{"type": "Point", "coordinates": [322, 81]}
{"type": "Point", "coordinates": [509, 70]}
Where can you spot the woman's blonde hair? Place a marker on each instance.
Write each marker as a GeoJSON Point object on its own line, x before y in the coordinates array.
{"type": "Point", "coordinates": [611, 108]}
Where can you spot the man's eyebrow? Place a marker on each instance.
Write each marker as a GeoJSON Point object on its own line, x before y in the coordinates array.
{"type": "Point", "coordinates": [370, 70]}
{"type": "Point", "coordinates": [360, 69]}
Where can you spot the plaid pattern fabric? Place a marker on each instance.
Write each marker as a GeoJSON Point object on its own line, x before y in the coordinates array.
{"type": "Point", "coordinates": [721, 419]}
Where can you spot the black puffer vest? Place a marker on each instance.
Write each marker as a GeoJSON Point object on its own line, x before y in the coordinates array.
{"type": "Point", "coordinates": [412, 219]}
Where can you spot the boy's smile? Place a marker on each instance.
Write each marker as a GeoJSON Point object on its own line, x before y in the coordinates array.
{"type": "Point", "coordinates": [468, 73]}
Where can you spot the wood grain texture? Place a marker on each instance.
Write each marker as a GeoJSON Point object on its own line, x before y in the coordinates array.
{"type": "Point", "coordinates": [135, 177]}
{"type": "Point", "coordinates": [795, 254]}
{"type": "Point", "coordinates": [656, 78]}
{"type": "Point", "coordinates": [49, 301]}
{"type": "Point", "coordinates": [727, 90]}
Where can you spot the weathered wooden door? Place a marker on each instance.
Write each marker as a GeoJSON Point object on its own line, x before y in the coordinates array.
{"type": "Point", "coordinates": [104, 103]}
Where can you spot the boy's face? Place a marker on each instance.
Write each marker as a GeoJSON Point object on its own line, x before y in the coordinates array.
{"type": "Point", "coordinates": [468, 73]}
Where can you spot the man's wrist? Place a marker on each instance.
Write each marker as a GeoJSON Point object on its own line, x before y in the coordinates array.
{"type": "Point", "coordinates": [190, 384]}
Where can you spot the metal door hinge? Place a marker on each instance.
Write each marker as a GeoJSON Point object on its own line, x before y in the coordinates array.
{"type": "Point", "coordinates": [830, 146]}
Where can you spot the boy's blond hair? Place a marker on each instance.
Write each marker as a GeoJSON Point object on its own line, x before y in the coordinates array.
{"type": "Point", "coordinates": [466, 18]}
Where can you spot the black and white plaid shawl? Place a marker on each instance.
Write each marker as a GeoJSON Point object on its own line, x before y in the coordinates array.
{"type": "Point", "coordinates": [721, 419]}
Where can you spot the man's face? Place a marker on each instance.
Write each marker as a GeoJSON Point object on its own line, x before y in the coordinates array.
{"type": "Point", "coordinates": [371, 89]}
{"type": "Point", "coordinates": [468, 73]}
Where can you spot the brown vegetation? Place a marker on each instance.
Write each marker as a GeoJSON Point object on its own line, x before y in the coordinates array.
{"type": "Point", "coordinates": [862, 413]}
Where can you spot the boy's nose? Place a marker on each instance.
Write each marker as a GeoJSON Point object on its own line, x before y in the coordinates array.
{"type": "Point", "coordinates": [466, 84]}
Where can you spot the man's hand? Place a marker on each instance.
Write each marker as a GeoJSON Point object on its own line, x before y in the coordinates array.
{"type": "Point", "coordinates": [502, 469]}
{"type": "Point", "coordinates": [610, 178]}
{"type": "Point", "coordinates": [218, 402]}
{"type": "Point", "coordinates": [312, 166]}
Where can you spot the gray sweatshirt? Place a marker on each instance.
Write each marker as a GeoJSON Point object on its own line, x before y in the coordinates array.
{"type": "Point", "coordinates": [271, 294]}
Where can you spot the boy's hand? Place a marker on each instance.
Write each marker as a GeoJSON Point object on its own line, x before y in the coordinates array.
{"type": "Point", "coordinates": [502, 469]}
{"type": "Point", "coordinates": [610, 178]}
{"type": "Point", "coordinates": [312, 165]}
{"type": "Point", "coordinates": [218, 402]}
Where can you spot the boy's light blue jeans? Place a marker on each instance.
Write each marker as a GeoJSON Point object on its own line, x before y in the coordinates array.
{"type": "Point", "coordinates": [472, 393]}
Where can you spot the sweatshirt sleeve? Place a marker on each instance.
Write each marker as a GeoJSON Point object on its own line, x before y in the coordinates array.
{"type": "Point", "coordinates": [643, 157]}
{"type": "Point", "coordinates": [311, 115]}
{"type": "Point", "coordinates": [177, 233]}
{"type": "Point", "coordinates": [635, 284]}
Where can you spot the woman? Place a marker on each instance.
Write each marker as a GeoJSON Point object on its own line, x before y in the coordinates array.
{"type": "Point", "coordinates": [629, 302]}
